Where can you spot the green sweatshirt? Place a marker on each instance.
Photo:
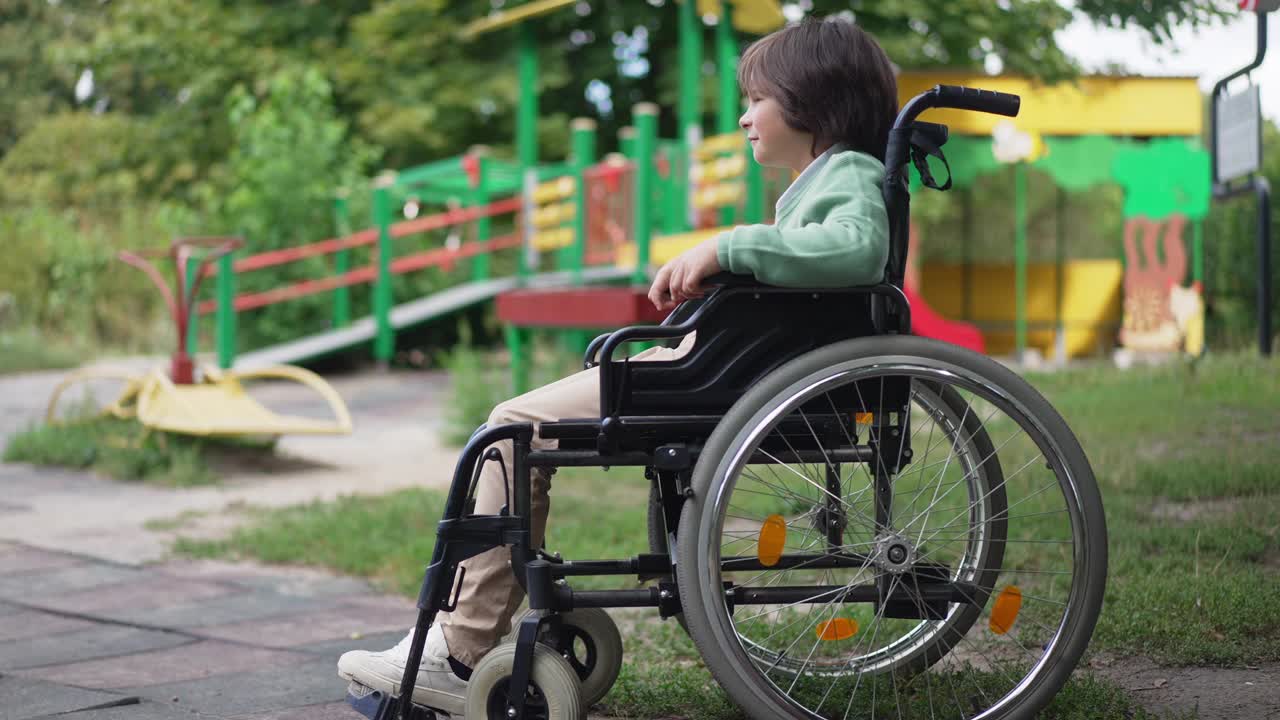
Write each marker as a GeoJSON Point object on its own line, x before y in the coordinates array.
{"type": "Point", "coordinates": [831, 228]}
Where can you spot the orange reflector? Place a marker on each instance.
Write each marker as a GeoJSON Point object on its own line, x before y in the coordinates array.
{"type": "Point", "coordinates": [1005, 611]}
{"type": "Point", "coordinates": [863, 418]}
{"type": "Point", "coordinates": [773, 535]}
{"type": "Point", "coordinates": [837, 629]}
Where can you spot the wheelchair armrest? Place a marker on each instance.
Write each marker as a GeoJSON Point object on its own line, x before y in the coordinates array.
{"type": "Point", "coordinates": [728, 279]}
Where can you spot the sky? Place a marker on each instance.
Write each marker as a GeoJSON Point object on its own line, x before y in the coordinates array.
{"type": "Point", "coordinates": [1208, 53]}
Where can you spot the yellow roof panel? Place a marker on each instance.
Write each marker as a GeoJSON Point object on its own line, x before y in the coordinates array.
{"type": "Point", "coordinates": [1093, 105]}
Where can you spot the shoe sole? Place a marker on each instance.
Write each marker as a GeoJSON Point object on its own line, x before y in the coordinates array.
{"type": "Point", "coordinates": [430, 697]}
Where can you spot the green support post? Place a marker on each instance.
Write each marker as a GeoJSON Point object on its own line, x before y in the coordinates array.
{"type": "Point", "coordinates": [226, 312]}
{"type": "Point", "coordinates": [193, 317]}
{"type": "Point", "coordinates": [519, 346]}
{"type": "Point", "coordinates": [527, 122]}
{"type": "Point", "coordinates": [627, 141]}
{"type": "Point", "coordinates": [583, 157]}
{"type": "Point", "coordinates": [646, 120]}
{"type": "Point", "coordinates": [690, 107]}
{"type": "Point", "coordinates": [727, 61]}
{"type": "Point", "coordinates": [384, 341]}
{"type": "Point", "coordinates": [484, 225]}
{"type": "Point", "coordinates": [1020, 258]}
{"type": "Point", "coordinates": [342, 262]}
{"type": "Point", "coordinates": [527, 117]}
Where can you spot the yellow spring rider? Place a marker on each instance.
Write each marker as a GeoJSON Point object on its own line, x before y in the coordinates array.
{"type": "Point", "coordinates": [215, 403]}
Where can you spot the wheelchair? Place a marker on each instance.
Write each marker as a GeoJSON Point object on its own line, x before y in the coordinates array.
{"type": "Point", "coordinates": [849, 521]}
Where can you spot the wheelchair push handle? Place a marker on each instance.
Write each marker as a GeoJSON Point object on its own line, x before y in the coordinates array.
{"type": "Point", "coordinates": [987, 101]}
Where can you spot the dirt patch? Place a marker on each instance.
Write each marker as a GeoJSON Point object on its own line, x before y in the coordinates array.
{"type": "Point", "coordinates": [1185, 511]}
{"type": "Point", "coordinates": [1207, 693]}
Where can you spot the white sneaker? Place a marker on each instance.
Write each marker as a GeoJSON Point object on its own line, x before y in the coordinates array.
{"type": "Point", "coordinates": [437, 687]}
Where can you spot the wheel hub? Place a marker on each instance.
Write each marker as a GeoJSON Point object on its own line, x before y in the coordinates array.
{"type": "Point", "coordinates": [894, 553]}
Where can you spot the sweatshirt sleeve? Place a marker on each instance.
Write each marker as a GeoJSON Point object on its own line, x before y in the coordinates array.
{"type": "Point", "coordinates": [842, 238]}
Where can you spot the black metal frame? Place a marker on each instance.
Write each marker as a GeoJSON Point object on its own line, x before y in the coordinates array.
{"type": "Point", "coordinates": [633, 430]}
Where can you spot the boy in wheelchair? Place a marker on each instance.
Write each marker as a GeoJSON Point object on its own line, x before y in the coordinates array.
{"type": "Point", "coordinates": [801, 528]}
{"type": "Point", "coordinates": [821, 98]}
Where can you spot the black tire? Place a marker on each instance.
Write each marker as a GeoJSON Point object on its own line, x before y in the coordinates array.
{"type": "Point", "coordinates": [948, 370]}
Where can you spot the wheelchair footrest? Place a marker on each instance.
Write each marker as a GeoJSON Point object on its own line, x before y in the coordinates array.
{"type": "Point", "coordinates": [379, 706]}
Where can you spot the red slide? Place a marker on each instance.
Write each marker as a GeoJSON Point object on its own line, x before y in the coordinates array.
{"type": "Point", "coordinates": [927, 323]}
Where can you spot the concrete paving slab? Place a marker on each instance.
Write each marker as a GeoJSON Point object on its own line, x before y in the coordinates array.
{"type": "Point", "coordinates": [296, 685]}
{"type": "Point", "coordinates": [194, 661]}
{"type": "Point", "coordinates": [10, 609]}
{"type": "Point", "coordinates": [327, 711]}
{"type": "Point", "coordinates": [32, 587]}
{"type": "Point", "coordinates": [21, 698]}
{"type": "Point", "coordinates": [100, 641]}
{"type": "Point", "coordinates": [33, 623]}
{"type": "Point", "coordinates": [302, 629]}
{"type": "Point", "coordinates": [311, 582]}
{"type": "Point", "coordinates": [144, 710]}
{"type": "Point", "coordinates": [18, 559]}
{"type": "Point", "coordinates": [222, 610]}
{"type": "Point", "coordinates": [333, 649]}
{"type": "Point", "coordinates": [146, 591]}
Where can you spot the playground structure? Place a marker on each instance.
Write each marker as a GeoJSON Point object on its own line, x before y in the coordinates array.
{"type": "Point", "coordinates": [212, 402]}
{"type": "Point", "coordinates": [571, 226]}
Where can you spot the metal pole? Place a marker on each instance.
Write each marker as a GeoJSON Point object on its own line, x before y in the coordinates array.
{"type": "Point", "coordinates": [1259, 185]}
{"type": "Point", "coordinates": [527, 117]}
{"type": "Point", "coordinates": [484, 225]}
{"type": "Point", "coordinates": [193, 317]}
{"type": "Point", "coordinates": [690, 108]}
{"type": "Point", "coordinates": [1222, 85]}
{"type": "Point", "coordinates": [385, 341]}
{"type": "Point", "coordinates": [226, 312]}
{"type": "Point", "coordinates": [1020, 258]}
{"type": "Point", "coordinates": [584, 155]}
{"type": "Point", "coordinates": [727, 61]}
{"type": "Point", "coordinates": [646, 121]}
{"type": "Point", "coordinates": [1060, 278]}
{"type": "Point", "coordinates": [1263, 189]}
{"type": "Point", "coordinates": [342, 262]}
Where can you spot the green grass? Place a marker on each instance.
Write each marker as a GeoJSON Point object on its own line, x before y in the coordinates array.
{"type": "Point", "coordinates": [125, 450]}
{"type": "Point", "coordinates": [1186, 457]}
{"type": "Point", "coordinates": [24, 351]}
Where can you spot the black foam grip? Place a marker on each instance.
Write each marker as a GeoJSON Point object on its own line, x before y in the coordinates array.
{"type": "Point", "coordinates": [967, 98]}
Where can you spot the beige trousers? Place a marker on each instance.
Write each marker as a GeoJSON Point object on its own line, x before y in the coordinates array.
{"type": "Point", "coordinates": [490, 593]}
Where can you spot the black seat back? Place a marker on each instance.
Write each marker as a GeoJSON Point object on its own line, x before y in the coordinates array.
{"type": "Point", "coordinates": [742, 336]}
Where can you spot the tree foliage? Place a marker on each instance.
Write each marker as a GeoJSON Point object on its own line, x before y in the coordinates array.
{"type": "Point", "coordinates": [248, 114]}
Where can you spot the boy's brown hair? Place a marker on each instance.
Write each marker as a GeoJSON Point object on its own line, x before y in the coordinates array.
{"type": "Point", "coordinates": [830, 78]}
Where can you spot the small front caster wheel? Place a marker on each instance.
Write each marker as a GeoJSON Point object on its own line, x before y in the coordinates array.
{"type": "Point", "coordinates": [589, 639]}
{"type": "Point", "coordinates": [553, 693]}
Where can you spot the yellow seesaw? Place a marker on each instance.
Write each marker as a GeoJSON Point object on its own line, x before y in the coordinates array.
{"type": "Point", "coordinates": [215, 404]}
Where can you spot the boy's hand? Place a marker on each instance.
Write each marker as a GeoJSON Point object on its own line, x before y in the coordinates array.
{"type": "Point", "coordinates": [681, 279]}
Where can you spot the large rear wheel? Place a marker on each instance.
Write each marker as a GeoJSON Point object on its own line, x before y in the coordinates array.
{"type": "Point", "coordinates": [892, 526]}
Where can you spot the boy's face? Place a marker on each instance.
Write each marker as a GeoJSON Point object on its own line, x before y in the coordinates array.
{"type": "Point", "coordinates": [773, 142]}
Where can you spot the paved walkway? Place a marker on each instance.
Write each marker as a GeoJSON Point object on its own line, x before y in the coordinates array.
{"type": "Point", "coordinates": [396, 444]}
{"type": "Point", "coordinates": [98, 621]}
{"type": "Point", "coordinates": [89, 639]}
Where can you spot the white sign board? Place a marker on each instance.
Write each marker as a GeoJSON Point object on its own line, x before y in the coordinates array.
{"type": "Point", "coordinates": [1238, 144]}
